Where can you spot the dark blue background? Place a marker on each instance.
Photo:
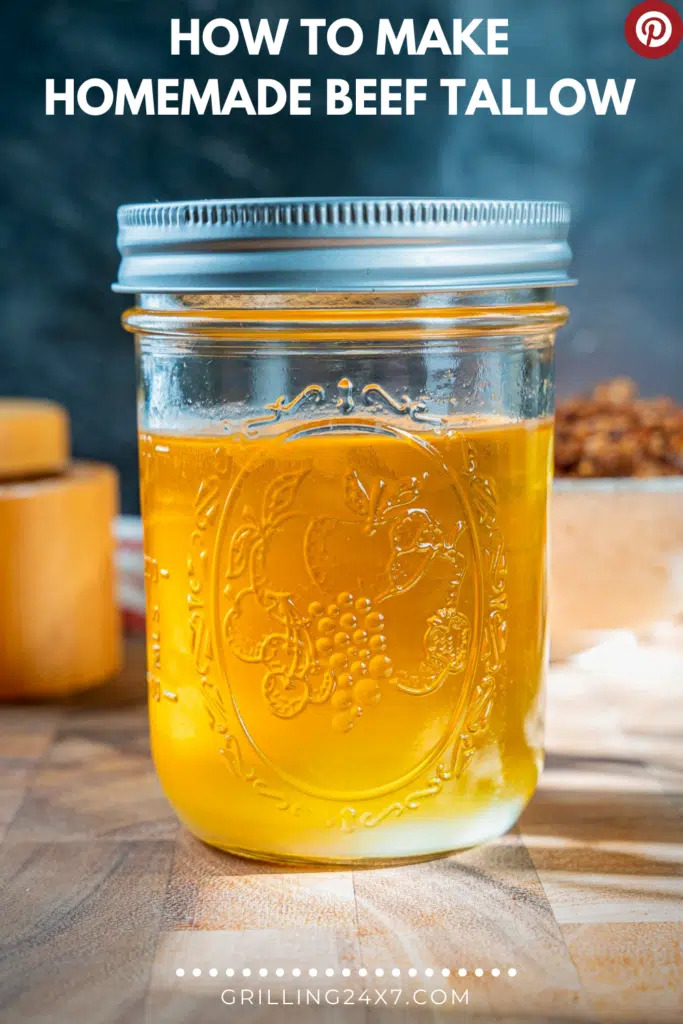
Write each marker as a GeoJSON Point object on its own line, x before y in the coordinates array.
{"type": "Point", "coordinates": [62, 178]}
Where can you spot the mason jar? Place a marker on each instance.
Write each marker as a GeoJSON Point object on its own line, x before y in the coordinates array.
{"type": "Point", "coordinates": [345, 415]}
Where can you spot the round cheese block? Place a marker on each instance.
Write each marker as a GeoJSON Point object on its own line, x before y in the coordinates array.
{"type": "Point", "coordinates": [34, 438]}
{"type": "Point", "coordinates": [59, 621]}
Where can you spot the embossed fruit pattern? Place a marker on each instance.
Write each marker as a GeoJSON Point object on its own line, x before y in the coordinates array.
{"type": "Point", "coordinates": [334, 649]}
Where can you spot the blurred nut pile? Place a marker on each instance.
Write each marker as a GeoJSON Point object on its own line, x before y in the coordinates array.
{"type": "Point", "coordinates": [614, 433]}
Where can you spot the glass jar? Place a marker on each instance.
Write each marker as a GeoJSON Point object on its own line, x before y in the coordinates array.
{"type": "Point", "coordinates": [345, 413]}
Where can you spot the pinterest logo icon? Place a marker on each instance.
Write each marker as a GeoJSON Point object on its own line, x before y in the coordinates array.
{"type": "Point", "coordinates": [654, 29]}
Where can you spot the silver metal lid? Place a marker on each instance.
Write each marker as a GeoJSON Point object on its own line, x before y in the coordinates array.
{"type": "Point", "coordinates": [338, 244]}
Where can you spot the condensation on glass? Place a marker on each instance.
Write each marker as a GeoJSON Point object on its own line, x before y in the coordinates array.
{"type": "Point", "coordinates": [345, 414]}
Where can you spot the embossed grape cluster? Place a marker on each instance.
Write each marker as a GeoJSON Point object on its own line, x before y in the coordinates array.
{"type": "Point", "coordinates": [350, 643]}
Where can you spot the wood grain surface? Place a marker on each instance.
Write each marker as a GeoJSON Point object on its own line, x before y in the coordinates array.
{"type": "Point", "coordinates": [104, 897]}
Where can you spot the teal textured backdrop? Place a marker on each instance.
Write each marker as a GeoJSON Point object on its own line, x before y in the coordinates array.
{"type": "Point", "coordinates": [62, 178]}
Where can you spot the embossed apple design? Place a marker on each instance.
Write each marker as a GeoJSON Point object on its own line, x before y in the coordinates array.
{"type": "Point", "coordinates": [392, 545]}
{"type": "Point", "coordinates": [337, 651]}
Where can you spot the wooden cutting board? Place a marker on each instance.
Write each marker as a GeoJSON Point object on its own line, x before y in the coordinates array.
{"type": "Point", "coordinates": [104, 898]}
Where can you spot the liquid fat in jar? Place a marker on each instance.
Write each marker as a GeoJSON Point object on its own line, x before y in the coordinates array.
{"type": "Point", "coordinates": [345, 449]}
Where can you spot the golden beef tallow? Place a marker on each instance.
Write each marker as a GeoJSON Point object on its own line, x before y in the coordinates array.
{"type": "Point", "coordinates": [345, 453]}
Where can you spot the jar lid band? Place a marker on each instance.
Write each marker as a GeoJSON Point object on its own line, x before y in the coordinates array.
{"type": "Point", "coordinates": [338, 244]}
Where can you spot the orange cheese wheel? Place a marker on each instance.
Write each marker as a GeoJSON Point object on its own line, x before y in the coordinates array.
{"type": "Point", "coordinates": [59, 621]}
{"type": "Point", "coordinates": [34, 438]}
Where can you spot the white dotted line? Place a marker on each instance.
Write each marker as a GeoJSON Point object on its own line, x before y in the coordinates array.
{"type": "Point", "coordinates": [363, 972]}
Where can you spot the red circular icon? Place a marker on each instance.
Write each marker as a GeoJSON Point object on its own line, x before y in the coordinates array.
{"type": "Point", "coordinates": [654, 29]}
